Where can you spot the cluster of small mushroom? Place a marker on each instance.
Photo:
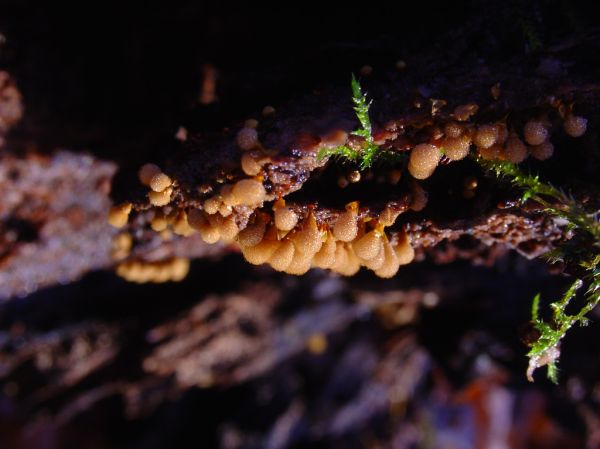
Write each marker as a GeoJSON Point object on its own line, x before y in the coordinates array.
{"type": "Point", "coordinates": [349, 243]}
{"type": "Point", "coordinates": [161, 271]}
{"type": "Point", "coordinates": [493, 141]}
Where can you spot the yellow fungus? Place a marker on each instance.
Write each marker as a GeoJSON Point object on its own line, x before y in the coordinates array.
{"type": "Point", "coordinates": [391, 262]}
{"type": "Point", "coordinates": [282, 256]}
{"type": "Point", "coordinates": [261, 252]}
{"type": "Point", "coordinates": [300, 263]}
{"type": "Point", "coordinates": [285, 218]}
{"type": "Point", "coordinates": [160, 182]}
{"type": "Point", "coordinates": [404, 250]}
{"type": "Point", "coordinates": [575, 126]}
{"type": "Point", "coordinates": [268, 110]}
{"type": "Point", "coordinates": [368, 246]}
{"type": "Point", "coordinates": [251, 123]}
{"type": "Point", "coordinates": [181, 225]}
{"type": "Point", "coordinates": [456, 148]}
{"type": "Point", "coordinates": [316, 344]}
{"type": "Point", "coordinates": [159, 222]}
{"type": "Point", "coordinates": [147, 172]}
{"type": "Point", "coordinates": [119, 215]}
{"type": "Point", "coordinates": [485, 136]}
{"type": "Point", "coordinates": [535, 132]}
{"type": "Point", "coordinates": [247, 138]}
{"type": "Point", "coordinates": [198, 220]}
{"type": "Point", "coordinates": [515, 150]}
{"type": "Point", "coordinates": [325, 257]}
{"type": "Point", "coordinates": [211, 205]}
{"type": "Point", "coordinates": [248, 192]}
{"type": "Point", "coordinates": [346, 226]}
{"type": "Point", "coordinates": [424, 158]}
{"type": "Point", "coordinates": [542, 151]}
{"type": "Point", "coordinates": [419, 197]}
{"type": "Point", "coordinates": [491, 153]}
{"type": "Point", "coordinates": [464, 112]}
{"type": "Point", "coordinates": [160, 198]}
{"type": "Point", "coordinates": [250, 164]}
{"type": "Point", "coordinates": [228, 228]}
{"type": "Point", "coordinates": [253, 233]}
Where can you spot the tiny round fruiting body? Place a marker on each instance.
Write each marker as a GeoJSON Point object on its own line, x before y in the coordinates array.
{"type": "Point", "coordinates": [251, 123]}
{"type": "Point", "coordinates": [198, 221]}
{"type": "Point", "coordinates": [485, 136]}
{"type": "Point", "coordinates": [308, 238]}
{"type": "Point", "coordinates": [250, 164]}
{"type": "Point", "coordinates": [351, 263]}
{"type": "Point", "coordinates": [180, 268]}
{"type": "Point", "coordinates": [345, 228]}
{"type": "Point", "coordinates": [424, 158]}
{"type": "Point", "coordinates": [247, 138]}
{"type": "Point", "coordinates": [282, 256]}
{"type": "Point", "coordinates": [159, 223]}
{"type": "Point", "coordinates": [211, 205]}
{"type": "Point", "coordinates": [285, 218]}
{"type": "Point", "coordinates": [419, 197]}
{"type": "Point", "coordinates": [388, 216]}
{"type": "Point", "coordinates": [368, 246]}
{"type": "Point", "coordinates": [464, 112]}
{"type": "Point", "coordinates": [268, 110]}
{"type": "Point", "coordinates": [404, 250]}
{"type": "Point", "coordinates": [502, 133]}
{"type": "Point", "coordinates": [515, 150]}
{"type": "Point", "coordinates": [225, 210]}
{"type": "Point", "coordinates": [262, 252]}
{"type": "Point", "coordinates": [300, 263]}
{"type": "Point", "coordinates": [160, 198]}
{"type": "Point", "coordinates": [491, 153]}
{"type": "Point", "coordinates": [325, 257]}
{"type": "Point", "coordinates": [354, 176]}
{"type": "Point", "coordinates": [160, 182]}
{"type": "Point", "coordinates": [535, 132]}
{"type": "Point", "coordinates": [376, 262]}
{"type": "Point", "coordinates": [119, 215]}
{"type": "Point", "coordinates": [391, 262]}
{"type": "Point", "coordinates": [248, 192]}
{"type": "Point", "coordinates": [542, 151]}
{"type": "Point", "coordinates": [147, 172]}
{"type": "Point", "coordinates": [575, 126]}
{"type": "Point", "coordinates": [453, 129]}
{"type": "Point", "coordinates": [228, 228]}
{"type": "Point", "coordinates": [181, 226]}
{"type": "Point", "coordinates": [456, 148]}
{"type": "Point", "coordinates": [253, 233]}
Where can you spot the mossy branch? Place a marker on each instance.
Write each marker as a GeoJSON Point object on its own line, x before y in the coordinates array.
{"type": "Point", "coordinates": [546, 350]}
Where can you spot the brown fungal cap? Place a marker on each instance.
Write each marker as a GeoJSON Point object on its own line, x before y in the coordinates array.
{"type": "Point", "coordinates": [535, 132]}
{"type": "Point", "coordinates": [424, 158]}
{"type": "Point", "coordinates": [247, 138]}
{"type": "Point", "coordinates": [119, 215]}
{"type": "Point", "coordinates": [575, 126]}
{"type": "Point", "coordinates": [147, 172]}
{"type": "Point", "coordinates": [542, 151]}
{"type": "Point", "coordinates": [248, 192]}
{"type": "Point", "coordinates": [161, 198]}
{"type": "Point", "coordinates": [486, 136]}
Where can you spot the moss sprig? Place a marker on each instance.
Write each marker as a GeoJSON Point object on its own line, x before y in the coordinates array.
{"type": "Point", "coordinates": [369, 152]}
{"type": "Point", "coordinates": [545, 351]}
